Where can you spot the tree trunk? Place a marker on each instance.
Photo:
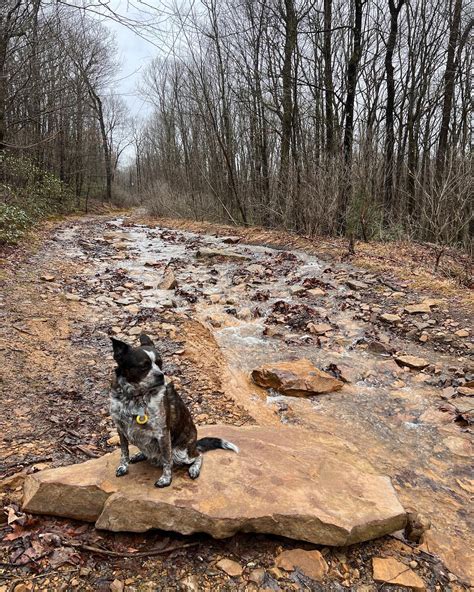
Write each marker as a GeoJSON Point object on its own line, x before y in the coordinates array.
{"type": "Point", "coordinates": [328, 81]}
{"type": "Point", "coordinates": [287, 98]}
{"type": "Point", "coordinates": [389, 109]}
{"type": "Point", "coordinates": [449, 76]}
{"type": "Point", "coordinates": [352, 69]}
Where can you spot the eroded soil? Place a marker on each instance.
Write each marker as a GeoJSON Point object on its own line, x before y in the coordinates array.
{"type": "Point", "coordinates": [86, 279]}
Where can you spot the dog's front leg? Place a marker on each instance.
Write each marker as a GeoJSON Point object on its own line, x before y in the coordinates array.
{"type": "Point", "coordinates": [167, 458]}
{"type": "Point", "coordinates": [122, 469]}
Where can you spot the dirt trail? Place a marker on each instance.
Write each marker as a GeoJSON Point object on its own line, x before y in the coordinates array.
{"type": "Point", "coordinates": [93, 277]}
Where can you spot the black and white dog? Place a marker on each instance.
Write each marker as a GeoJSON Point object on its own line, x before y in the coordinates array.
{"type": "Point", "coordinates": [149, 413]}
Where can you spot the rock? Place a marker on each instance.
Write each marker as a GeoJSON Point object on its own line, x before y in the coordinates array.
{"type": "Point", "coordinates": [190, 584]}
{"type": "Point", "coordinates": [462, 333]}
{"type": "Point", "coordinates": [423, 338]}
{"type": "Point", "coordinates": [299, 378]}
{"type": "Point", "coordinates": [391, 571]}
{"type": "Point", "coordinates": [257, 576]}
{"type": "Point", "coordinates": [379, 347]}
{"type": "Point", "coordinates": [114, 440]}
{"type": "Point", "coordinates": [411, 362]}
{"type": "Point", "coordinates": [298, 290]}
{"type": "Point", "coordinates": [465, 391]}
{"type": "Point", "coordinates": [215, 298]}
{"type": "Point", "coordinates": [459, 446]}
{"type": "Point", "coordinates": [116, 586]}
{"type": "Point", "coordinates": [284, 482]}
{"type": "Point", "coordinates": [231, 568]}
{"type": "Point", "coordinates": [311, 563]}
{"type": "Point", "coordinates": [132, 309]}
{"type": "Point", "coordinates": [204, 252]}
{"type": "Point", "coordinates": [135, 330]}
{"type": "Point", "coordinates": [318, 329]}
{"type": "Point", "coordinates": [416, 526]}
{"type": "Point", "coordinates": [316, 292]}
{"type": "Point", "coordinates": [231, 240]}
{"type": "Point", "coordinates": [244, 314]}
{"type": "Point", "coordinates": [421, 308]}
{"type": "Point", "coordinates": [390, 318]}
{"type": "Point", "coordinates": [72, 297]}
{"type": "Point", "coordinates": [169, 281]}
{"type": "Point", "coordinates": [46, 277]}
{"type": "Point", "coordinates": [356, 285]}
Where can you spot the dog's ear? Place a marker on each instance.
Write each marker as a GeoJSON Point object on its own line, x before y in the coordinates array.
{"type": "Point", "coordinates": [120, 349]}
{"type": "Point", "coordinates": [145, 340]}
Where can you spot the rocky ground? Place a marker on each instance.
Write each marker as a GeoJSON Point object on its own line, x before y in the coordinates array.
{"type": "Point", "coordinates": [221, 306]}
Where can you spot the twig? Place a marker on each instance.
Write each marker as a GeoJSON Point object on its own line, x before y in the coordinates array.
{"type": "Point", "coordinates": [21, 330]}
{"type": "Point", "coordinates": [86, 451]}
{"type": "Point", "coordinates": [27, 462]}
{"type": "Point", "coordinates": [149, 553]}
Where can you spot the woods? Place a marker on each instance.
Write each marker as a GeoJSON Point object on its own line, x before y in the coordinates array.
{"type": "Point", "coordinates": [321, 117]}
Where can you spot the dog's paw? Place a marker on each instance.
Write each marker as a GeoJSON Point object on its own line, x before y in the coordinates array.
{"type": "Point", "coordinates": [194, 471]}
{"type": "Point", "coordinates": [136, 458]}
{"type": "Point", "coordinates": [163, 482]}
{"type": "Point", "coordinates": [121, 471]}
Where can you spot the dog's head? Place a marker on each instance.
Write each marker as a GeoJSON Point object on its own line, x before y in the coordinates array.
{"type": "Point", "coordinates": [139, 366]}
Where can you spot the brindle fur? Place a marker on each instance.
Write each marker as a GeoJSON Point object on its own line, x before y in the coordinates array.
{"type": "Point", "coordinates": [169, 437]}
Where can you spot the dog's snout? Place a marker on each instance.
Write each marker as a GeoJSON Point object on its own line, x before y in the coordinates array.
{"type": "Point", "coordinates": [159, 378]}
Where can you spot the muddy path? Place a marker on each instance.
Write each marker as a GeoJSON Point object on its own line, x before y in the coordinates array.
{"type": "Point", "coordinates": [235, 306]}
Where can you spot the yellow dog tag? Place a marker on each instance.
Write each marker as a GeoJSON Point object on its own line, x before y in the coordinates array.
{"type": "Point", "coordinates": [142, 419]}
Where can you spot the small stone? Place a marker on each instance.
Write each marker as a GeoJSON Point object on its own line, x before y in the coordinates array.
{"type": "Point", "coordinates": [257, 576]}
{"type": "Point", "coordinates": [116, 586]}
{"type": "Point", "coordinates": [390, 318]}
{"type": "Point", "coordinates": [423, 338]}
{"type": "Point", "coordinates": [413, 564]}
{"type": "Point", "coordinates": [231, 568]}
{"type": "Point", "coordinates": [297, 290]}
{"type": "Point", "coordinates": [244, 314]}
{"type": "Point", "coordinates": [378, 347]}
{"type": "Point", "coordinates": [132, 309]}
{"type": "Point", "coordinates": [356, 285]}
{"type": "Point", "coordinates": [169, 281]}
{"type": "Point", "coordinates": [391, 571]}
{"type": "Point", "coordinates": [215, 298]}
{"type": "Point", "coordinates": [411, 362]}
{"type": "Point", "coordinates": [311, 563]}
{"type": "Point", "coordinates": [46, 277]}
{"type": "Point", "coordinates": [72, 297]}
{"type": "Point", "coordinates": [114, 440]}
{"type": "Point", "coordinates": [190, 584]}
{"type": "Point", "coordinates": [465, 391]}
{"type": "Point", "coordinates": [231, 240]}
{"type": "Point", "coordinates": [318, 329]}
{"type": "Point", "coordinates": [462, 333]}
{"type": "Point", "coordinates": [23, 587]}
{"type": "Point", "coordinates": [421, 308]}
{"type": "Point", "coordinates": [316, 292]}
{"type": "Point", "coordinates": [134, 331]}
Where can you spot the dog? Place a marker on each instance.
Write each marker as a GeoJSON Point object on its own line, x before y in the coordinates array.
{"type": "Point", "coordinates": [149, 414]}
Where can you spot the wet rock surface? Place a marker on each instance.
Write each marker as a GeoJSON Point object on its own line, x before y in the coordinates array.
{"type": "Point", "coordinates": [412, 425]}
{"type": "Point", "coordinates": [299, 378]}
{"type": "Point", "coordinates": [281, 482]}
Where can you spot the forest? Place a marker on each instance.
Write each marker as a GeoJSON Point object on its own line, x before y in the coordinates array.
{"type": "Point", "coordinates": [324, 117]}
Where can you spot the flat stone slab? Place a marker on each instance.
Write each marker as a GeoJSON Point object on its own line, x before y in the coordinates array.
{"type": "Point", "coordinates": [282, 482]}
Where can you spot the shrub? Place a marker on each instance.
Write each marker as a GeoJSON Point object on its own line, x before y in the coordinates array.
{"type": "Point", "coordinates": [27, 194]}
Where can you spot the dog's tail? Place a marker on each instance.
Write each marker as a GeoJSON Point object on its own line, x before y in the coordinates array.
{"type": "Point", "coordinates": [205, 444]}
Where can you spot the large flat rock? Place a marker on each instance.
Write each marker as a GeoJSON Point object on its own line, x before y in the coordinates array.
{"type": "Point", "coordinates": [282, 482]}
